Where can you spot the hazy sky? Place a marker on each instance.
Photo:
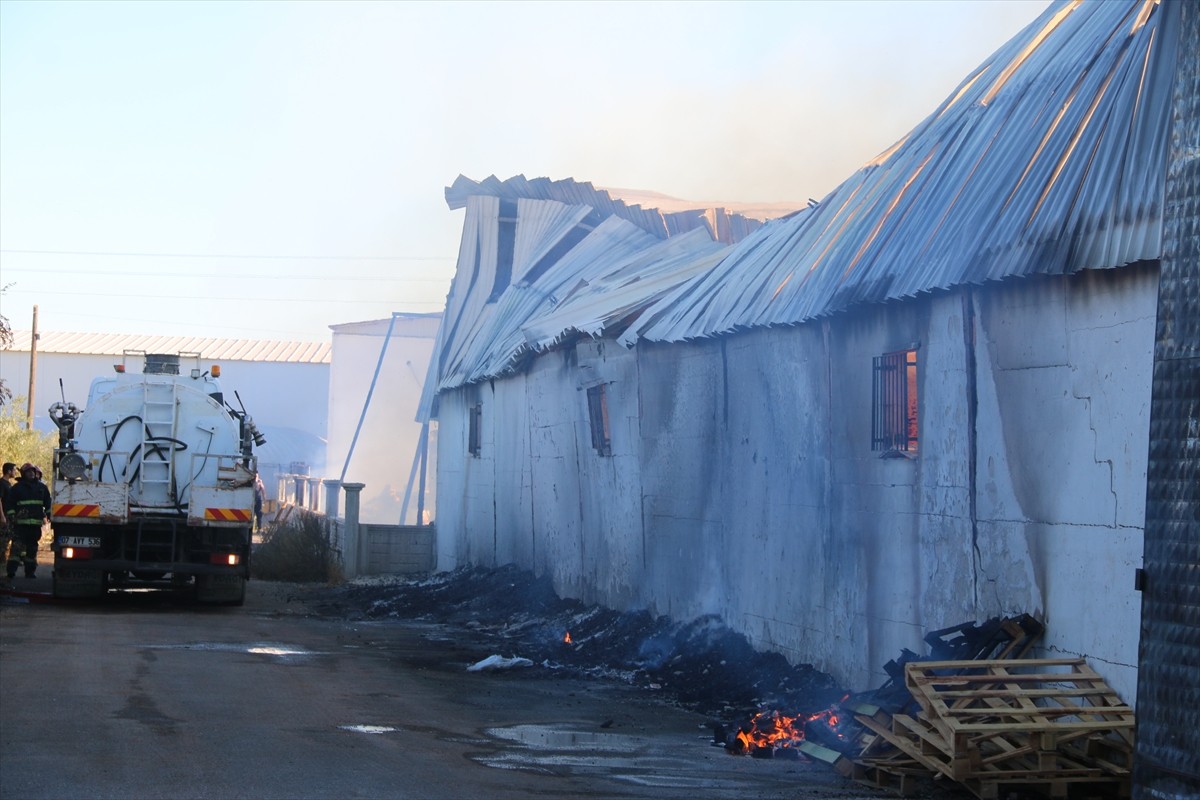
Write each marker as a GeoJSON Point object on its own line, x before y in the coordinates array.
{"type": "Point", "coordinates": [267, 169]}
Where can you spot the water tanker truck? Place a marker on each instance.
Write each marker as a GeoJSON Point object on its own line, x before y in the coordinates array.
{"type": "Point", "coordinates": [154, 484]}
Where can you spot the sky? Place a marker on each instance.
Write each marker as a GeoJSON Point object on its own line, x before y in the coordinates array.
{"type": "Point", "coordinates": [264, 170]}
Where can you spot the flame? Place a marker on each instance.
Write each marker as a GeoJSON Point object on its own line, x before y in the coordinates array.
{"type": "Point", "coordinates": [775, 730]}
{"type": "Point", "coordinates": [567, 638]}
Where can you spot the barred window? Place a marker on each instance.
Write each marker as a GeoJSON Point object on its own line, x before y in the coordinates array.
{"type": "Point", "coordinates": [473, 434]}
{"type": "Point", "coordinates": [598, 415]}
{"type": "Point", "coordinates": [894, 406]}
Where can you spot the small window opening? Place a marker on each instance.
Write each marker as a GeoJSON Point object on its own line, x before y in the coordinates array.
{"type": "Point", "coordinates": [894, 406]}
{"type": "Point", "coordinates": [598, 415]}
{"type": "Point", "coordinates": [473, 434]}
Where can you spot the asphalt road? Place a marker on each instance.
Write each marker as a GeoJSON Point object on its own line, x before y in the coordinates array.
{"type": "Point", "coordinates": [139, 696]}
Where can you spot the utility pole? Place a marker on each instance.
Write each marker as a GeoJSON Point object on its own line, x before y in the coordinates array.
{"type": "Point", "coordinates": [33, 339]}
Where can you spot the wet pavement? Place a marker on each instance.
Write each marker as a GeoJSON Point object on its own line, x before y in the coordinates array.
{"type": "Point", "coordinates": [140, 695]}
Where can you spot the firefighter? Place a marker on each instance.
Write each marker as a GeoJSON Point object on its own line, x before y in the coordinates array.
{"type": "Point", "coordinates": [6, 482]}
{"type": "Point", "coordinates": [27, 508]}
{"type": "Point", "coordinates": [5, 537]}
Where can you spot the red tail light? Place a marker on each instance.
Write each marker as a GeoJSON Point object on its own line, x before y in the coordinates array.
{"type": "Point", "coordinates": [77, 553]}
{"type": "Point", "coordinates": [225, 559]}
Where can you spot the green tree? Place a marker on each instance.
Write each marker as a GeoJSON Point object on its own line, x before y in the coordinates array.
{"type": "Point", "coordinates": [19, 444]}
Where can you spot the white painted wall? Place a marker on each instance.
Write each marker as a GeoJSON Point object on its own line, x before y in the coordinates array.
{"type": "Point", "coordinates": [387, 442]}
{"type": "Point", "coordinates": [742, 482]}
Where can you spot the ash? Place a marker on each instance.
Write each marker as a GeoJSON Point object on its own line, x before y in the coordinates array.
{"type": "Point", "coordinates": [700, 665]}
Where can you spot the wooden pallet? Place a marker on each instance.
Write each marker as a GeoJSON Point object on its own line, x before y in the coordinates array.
{"type": "Point", "coordinates": [1048, 726]}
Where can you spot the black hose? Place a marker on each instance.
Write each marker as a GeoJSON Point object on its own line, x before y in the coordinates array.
{"type": "Point", "coordinates": [108, 446]}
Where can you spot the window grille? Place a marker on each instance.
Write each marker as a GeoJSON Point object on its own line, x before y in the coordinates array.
{"type": "Point", "coordinates": [598, 416]}
{"type": "Point", "coordinates": [473, 434]}
{"type": "Point", "coordinates": [894, 407]}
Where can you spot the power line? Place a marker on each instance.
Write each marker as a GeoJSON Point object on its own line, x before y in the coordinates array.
{"type": "Point", "coordinates": [226, 255]}
{"type": "Point", "coordinates": [206, 326]}
{"type": "Point", "coordinates": [248, 276]}
{"type": "Point", "coordinates": [240, 298]}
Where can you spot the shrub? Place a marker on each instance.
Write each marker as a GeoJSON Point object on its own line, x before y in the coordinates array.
{"type": "Point", "coordinates": [296, 550]}
{"type": "Point", "coordinates": [19, 444]}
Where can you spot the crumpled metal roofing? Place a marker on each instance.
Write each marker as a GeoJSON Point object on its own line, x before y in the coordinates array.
{"type": "Point", "coordinates": [569, 273]}
{"type": "Point", "coordinates": [114, 344]}
{"type": "Point", "coordinates": [1048, 158]}
{"type": "Point", "coordinates": [722, 225]}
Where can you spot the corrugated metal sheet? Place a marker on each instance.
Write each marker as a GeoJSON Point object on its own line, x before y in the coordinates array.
{"type": "Point", "coordinates": [1167, 761]}
{"type": "Point", "coordinates": [721, 223]}
{"type": "Point", "coordinates": [568, 274]}
{"type": "Point", "coordinates": [114, 344]}
{"type": "Point", "coordinates": [1048, 158]}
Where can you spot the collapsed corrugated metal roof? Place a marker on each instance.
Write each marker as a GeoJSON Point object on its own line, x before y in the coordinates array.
{"type": "Point", "coordinates": [1048, 158]}
{"type": "Point", "coordinates": [721, 223]}
{"type": "Point", "coordinates": [114, 344]}
{"type": "Point", "coordinates": [531, 270]}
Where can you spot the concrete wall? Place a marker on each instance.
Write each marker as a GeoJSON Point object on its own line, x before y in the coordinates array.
{"type": "Point", "coordinates": [398, 549]}
{"type": "Point", "coordinates": [379, 549]}
{"type": "Point", "coordinates": [742, 480]}
{"type": "Point", "coordinates": [387, 442]}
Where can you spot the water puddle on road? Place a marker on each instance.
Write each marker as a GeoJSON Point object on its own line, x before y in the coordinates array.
{"type": "Point", "coordinates": [549, 749]}
{"type": "Point", "coordinates": [545, 737]}
{"type": "Point", "coordinates": [374, 729]}
{"type": "Point", "coordinates": [281, 651]}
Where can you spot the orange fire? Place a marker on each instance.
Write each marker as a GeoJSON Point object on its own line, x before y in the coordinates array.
{"type": "Point", "coordinates": [777, 730]}
{"type": "Point", "coordinates": [567, 638]}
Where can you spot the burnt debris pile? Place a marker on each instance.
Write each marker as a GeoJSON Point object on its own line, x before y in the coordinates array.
{"type": "Point", "coordinates": [700, 665]}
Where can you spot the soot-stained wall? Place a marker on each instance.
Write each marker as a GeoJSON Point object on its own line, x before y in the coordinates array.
{"type": "Point", "coordinates": [742, 481]}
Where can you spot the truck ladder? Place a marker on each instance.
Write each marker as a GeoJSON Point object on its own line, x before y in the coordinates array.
{"type": "Point", "coordinates": [157, 454]}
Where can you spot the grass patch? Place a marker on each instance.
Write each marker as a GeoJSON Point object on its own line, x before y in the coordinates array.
{"type": "Point", "coordinates": [297, 550]}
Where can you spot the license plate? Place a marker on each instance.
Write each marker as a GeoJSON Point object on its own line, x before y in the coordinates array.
{"type": "Point", "coordinates": [79, 541]}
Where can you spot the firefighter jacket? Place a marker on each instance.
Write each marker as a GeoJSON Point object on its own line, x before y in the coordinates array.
{"type": "Point", "coordinates": [27, 503]}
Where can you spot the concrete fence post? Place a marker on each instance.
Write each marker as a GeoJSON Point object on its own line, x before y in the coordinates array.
{"type": "Point", "coordinates": [299, 481]}
{"type": "Point", "coordinates": [314, 497]}
{"type": "Point", "coordinates": [353, 544]}
{"type": "Point", "coordinates": [332, 487]}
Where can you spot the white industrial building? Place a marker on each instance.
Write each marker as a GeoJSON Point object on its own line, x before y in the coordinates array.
{"type": "Point", "coordinates": [283, 385]}
{"type": "Point", "coordinates": [377, 373]}
{"type": "Point", "coordinates": [922, 401]}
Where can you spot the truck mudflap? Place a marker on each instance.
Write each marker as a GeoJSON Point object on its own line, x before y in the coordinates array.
{"type": "Point", "coordinates": [226, 589]}
{"type": "Point", "coordinates": [89, 502]}
{"type": "Point", "coordinates": [78, 581]}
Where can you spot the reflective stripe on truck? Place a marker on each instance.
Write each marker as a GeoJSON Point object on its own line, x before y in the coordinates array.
{"type": "Point", "coordinates": [75, 510]}
{"type": "Point", "coordinates": [227, 514]}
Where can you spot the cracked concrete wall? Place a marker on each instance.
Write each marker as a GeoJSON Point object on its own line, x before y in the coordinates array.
{"type": "Point", "coordinates": [742, 481]}
{"type": "Point", "coordinates": [1064, 403]}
